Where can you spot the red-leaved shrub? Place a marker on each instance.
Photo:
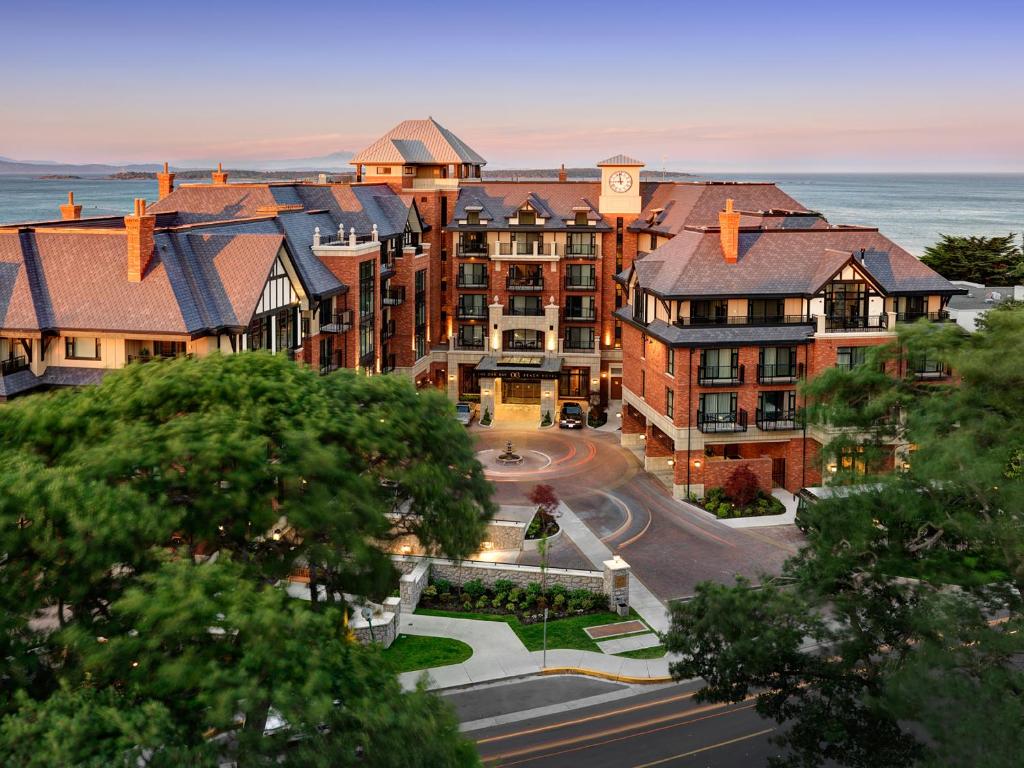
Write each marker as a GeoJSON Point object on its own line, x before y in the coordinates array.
{"type": "Point", "coordinates": [742, 486]}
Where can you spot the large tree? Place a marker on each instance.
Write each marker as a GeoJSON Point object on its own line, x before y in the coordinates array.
{"type": "Point", "coordinates": [896, 636]}
{"type": "Point", "coordinates": [987, 260]}
{"type": "Point", "coordinates": [144, 525]}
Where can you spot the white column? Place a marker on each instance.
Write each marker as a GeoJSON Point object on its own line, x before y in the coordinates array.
{"type": "Point", "coordinates": [273, 334]}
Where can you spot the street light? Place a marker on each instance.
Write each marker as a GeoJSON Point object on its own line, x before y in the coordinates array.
{"type": "Point", "coordinates": [367, 614]}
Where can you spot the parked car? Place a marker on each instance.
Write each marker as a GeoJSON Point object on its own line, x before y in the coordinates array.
{"type": "Point", "coordinates": [465, 413]}
{"type": "Point", "coordinates": [571, 416]}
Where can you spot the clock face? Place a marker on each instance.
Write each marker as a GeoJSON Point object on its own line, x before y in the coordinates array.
{"type": "Point", "coordinates": [620, 181]}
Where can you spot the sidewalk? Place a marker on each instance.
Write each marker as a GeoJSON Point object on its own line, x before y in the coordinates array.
{"type": "Point", "coordinates": [498, 654]}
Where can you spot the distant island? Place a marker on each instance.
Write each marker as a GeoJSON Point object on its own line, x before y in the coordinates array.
{"type": "Point", "coordinates": [234, 175]}
{"type": "Point", "coordinates": [50, 176]}
{"type": "Point", "coordinates": [576, 174]}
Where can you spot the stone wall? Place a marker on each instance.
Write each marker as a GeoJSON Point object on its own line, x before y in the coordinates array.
{"type": "Point", "coordinates": [383, 625]}
{"type": "Point", "coordinates": [505, 535]}
{"type": "Point", "coordinates": [412, 583]}
{"type": "Point", "coordinates": [520, 575]}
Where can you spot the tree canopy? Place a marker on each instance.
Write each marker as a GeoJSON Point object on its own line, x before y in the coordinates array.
{"type": "Point", "coordinates": [145, 526]}
{"type": "Point", "coordinates": [895, 637]}
{"type": "Point", "coordinates": [986, 260]}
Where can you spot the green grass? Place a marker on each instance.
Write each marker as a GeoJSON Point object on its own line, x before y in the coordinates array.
{"type": "Point", "coordinates": [654, 652]}
{"type": "Point", "coordinates": [562, 633]}
{"type": "Point", "coordinates": [411, 652]}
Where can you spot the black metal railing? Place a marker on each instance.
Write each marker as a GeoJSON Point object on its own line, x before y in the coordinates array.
{"type": "Point", "coordinates": [772, 421]}
{"type": "Point", "coordinates": [580, 282]}
{"type": "Point", "coordinates": [388, 363]}
{"type": "Point", "coordinates": [471, 250]}
{"type": "Point", "coordinates": [332, 362]}
{"type": "Point", "coordinates": [933, 317]}
{"type": "Point", "coordinates": [532, 283]}
{"type": "Point", "coordinates": [744, 320]}
{"type": "Point", "coordinates": [720, 375]}
{"type": "Point", "coordinates": [13, 365]}
{"type": "Point", "coordinates": [339, 322]}
{"type": "Point", "coordinates": [579, 313]}
{"type": "Point", "coordinates": [367, 360]}
{"type": "Point", "coordinates": [844, 324]}
{"type": "Point", "coordinates": [471, 281]}
{"type": "Point", "coordinates": [524, 311]}
{"type": "Point", "coordinates": [532, 345]}
{"type": "Point", "coordinates": [577, 345]}
{"type": "Point", "coordinates": [779, 373]}
{"type": "Point", "coordinates": [150, 358]}
{"type": "Point", "coordinates": [930, 370]}
{"type": "Point", "coordinates": [392, 297]}
{"type": "Point", "coordinates": [462, 343]}
{"type": "Point", "coordinates": [344, 239]}
{"type": "Point", "coordinates": [731, 421]}
{"type": "Point", "coordinates": [471, 311]}
{"type": "Point", "coordinates": [581, 249]}
{"type": "Point", "coordinates": [387, 330]}
{"type": "Point", "coordinates": [387, 269]}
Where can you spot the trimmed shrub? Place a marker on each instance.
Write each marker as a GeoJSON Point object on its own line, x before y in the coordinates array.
{"type": "Point", "coordinates": [482, 603]}
{"type": "Point", "coordinates": [503, 585]}
{"type": "Point", "coordinates": [474, 588]}
{"type": "Point", "coordinates": [742, 486]}
{"type": "Point", "coordinates": [429, 592]}
{"type": "Point", "coordinates": [443, 585]}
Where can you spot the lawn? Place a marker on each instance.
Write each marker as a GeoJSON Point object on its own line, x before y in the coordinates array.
{"type": "Point", "coordinates": [562, 633]}
{"type": "Point", "coordinates": [654, 652]}
{"type": "Point", "coordinates": [411, 652]}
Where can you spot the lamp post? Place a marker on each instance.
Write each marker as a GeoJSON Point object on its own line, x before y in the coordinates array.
{"type": "Point", "coordinates": [367, 613]}
{"type": "Point", "coordinates": [544, 663]}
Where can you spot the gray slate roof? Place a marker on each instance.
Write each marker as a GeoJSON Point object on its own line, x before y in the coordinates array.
{"type": "Point", "coordinates": [497, 201]}
{"type": "Point", "coordinates": [621, 160]}
{"type": "Point", "coordinates": [722, 335]}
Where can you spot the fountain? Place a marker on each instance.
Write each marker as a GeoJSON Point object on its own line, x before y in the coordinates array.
{"type": "Point", "coordinates": [508, 458]}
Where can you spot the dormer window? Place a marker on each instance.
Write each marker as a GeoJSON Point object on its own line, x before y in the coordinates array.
{"type": "Point", "coordinates": [581, 219]}
{"type": "Point", "coordinates": [527, 218]}
{"type": "Point", "coordinates": [473, 217]}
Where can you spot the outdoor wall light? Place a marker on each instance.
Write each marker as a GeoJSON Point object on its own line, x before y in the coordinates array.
{"type": "Point", "coordinates": [451, 377]}
{"type": "Point", "coordinates": [487, 391]}
{"type": "Point", "coordinates": [696, 463]}
{"type": "Point", "coordinates": [643, 437]}
{"type": "Point", "coordinates": [832, 468]}
{"type": "Point", "coordinates": [618, 415]}
{"type": "Point", "coordinates": [593, 381]}
{"type": "Point", "coordinates": [604, 374]}
{"type": "Point", "coordinates": [671, 462]}
{"type": "Point", "coordinates": [488, 545]}
{"type": "Point", "coordinates": [406, 549]}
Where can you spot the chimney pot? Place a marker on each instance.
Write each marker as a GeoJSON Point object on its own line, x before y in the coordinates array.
{"type": "Point", "coordinates": [562, 175]}
{"type": "Point", "coordinates": [139, 228]}
{"type": "Point", "coordinates": [165, 182]}
{"type": "Point", "coordinates": [220, 176]}
{"type": "Point", "coordinates": [729, 232]}
{"type": "Point", "coordinates": [69, 211]}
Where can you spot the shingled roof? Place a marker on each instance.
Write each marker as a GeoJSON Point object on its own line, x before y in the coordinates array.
{"type": "Point", "coordinates": [558, 202]}
{"type": "Point", "coordinates": [418, 142]}
{"type": "Point", "coordinates": [621, 160]}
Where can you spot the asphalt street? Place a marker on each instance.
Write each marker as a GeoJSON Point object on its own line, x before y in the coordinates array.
{"type": "Point", "coordinates": [664, 727]}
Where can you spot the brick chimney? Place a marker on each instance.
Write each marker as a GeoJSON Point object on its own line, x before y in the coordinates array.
{"type": "Point", "coordinates": [220, 176]}
{"type": "Point", "coordinates": [729, 224]}
{"type": "Point", "coordinates": [139, 228]}
{"type": "Point", "coordinates": [562, 175]}
{"type": "Point", "coordinates": [165, 183]}
{"type": "Point", "coordinates": [69, 211]}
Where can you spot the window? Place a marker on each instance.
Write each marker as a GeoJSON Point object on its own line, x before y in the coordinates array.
{"type": "Point", "coordinates": [573, 383]}
{"type": "Point", "coordinates": [471, 336]}
{"type": "Point", "coordinates": [713, 404]}
{"type": "Point", "coordinates": [670, 402]}
{"type": "Point", "coordinates": [618, 243]}
{"type": "Point", "coordinates": [472, 305]}
{"type": "Point", "coordinates": [618, 335]}
{"type": "Point", "coordinates": [472, 275]}
{"type": "Point", "coordinates": [444, 210]}
{"type": "Point", "coordinates": [581, 219]}
{"type": "Point", "coordinates": [580, 276]}
{"type": "Point", "coordinates": [851, 459]}
{"type": "Point", "coordinates": [366, 289]}
{"type": "Point", "coordinates": [473, 218]}
{"type": "Point", "coordinates": [911, 307]}
{"type": "Point", "coordinates": [579, 338]}
{"type": "Point", "coordinates": [580, 308]}
{"type": "Point", "coordinates": [654, 242]}
{"type": "Point", "coordinates": [778, 362]}
{"type": "Point", "coordinates": [643, 382]}
{"type": "Point", "coordinates": [525, 305]}
{"type": "Point", "coordinates": [713, 311]}
{"type": "Point", "coordinates": [766, 310]}
{"type": "Point", "coordinates": [670, 361]}
{"type": "Point", "coordinates": [850, 357]}
{"type": "Point", "coordinates": [420, 312]}
{"type": "Point", "coordinates": [719, 365]}
{"type": "Point", "coordinates": [580, 244]}
{"type": "Point", "coordinates": [81, 348]}
{"type": "Point", "coordinates": [527, 218]}
{"type": "Point", "coordinates": [383, 170]}
{"type": "Point", "coordinates": [639, 304]}
{"type": "Point", "coordinates": [777, 404]}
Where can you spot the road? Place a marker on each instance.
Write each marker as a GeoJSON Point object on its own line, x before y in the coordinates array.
{"type": "Point", "coordinates": [670, 546]}
{"type": "Point", "coordinates": [664, 727]}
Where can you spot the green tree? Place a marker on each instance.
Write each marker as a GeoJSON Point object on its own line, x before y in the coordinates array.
{"type": "Point", "coordinates": [877, 645]}
{"type": "Point", "coordinates": [987, 260]}
{"type": "Point", "coordinates": [144, 525]}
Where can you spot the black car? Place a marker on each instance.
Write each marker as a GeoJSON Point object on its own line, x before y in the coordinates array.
{"type": "Point", "coordinates": [571, 416]}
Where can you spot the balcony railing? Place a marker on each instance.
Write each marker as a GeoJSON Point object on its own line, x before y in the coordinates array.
{"type": "Point", "coordinates": [933, 317]}
{"type": "Point", "coordinates": [843, 324]}
{"type": "Point", "coordinates": [392, 297]}
{"type": "Point", "coordinates": [461, 343]}
{"type": "Point", "coordinates": [387, 330]}
{"type": "Point", "coordinates": [720, 375]}
{"type": "Point", "coordinates": [471, 250]}
{"type": "Point", "coordinates": [13, 365]}
{"type": "Point", "coordinates": [332, 362]}
{"type": "Point", "coordinates": [367, 360]}
{"type": "Point", "coordinates": [388, 363]}
{"type": "Point", "coordinates": [525, 283]}
{"type": "Point", "coordinates": [532, 345]}
{"type": "Point", "coordinates": [771, 421]}
{"type": "Point", "coordinates": [471, 281]}
{"type": "Point", "coordinates": [577, 345]}
{"type": "Point", "coordinates": [580, 250]}
{"type": "Point", "coordinates": [776, 373]}
{"type": "Point", "coordinates": [579, 313]}
{"type": "Point", "coordinates": [732, 421]}
{"type": "Point", "coordinates": [931, 371]}
{"type": "Point", "coordinates": [684, 322]}
{"type": "Point", "coordinates": [339, 322]}
{"type": "Point", "coordinates": [471, 311]}
{"type": "Point", "coordinates": [344, 239]}
{"type": "Point", "coordinates": [387, 269]}
{"type": "Point", "coordinates": [580, 283]}
{"type": "Point", "coordinates": [150, 358]}
{"type": "Point", "coordinates": [527, 249]}
{"type": "Point", "coordinates": [524, 311]}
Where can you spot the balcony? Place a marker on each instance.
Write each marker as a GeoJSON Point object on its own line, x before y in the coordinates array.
{"type": "Point", "coordinates": [387, 269]}
{"type": "Point", "coordinates": [529, 248]}
{"type": "Point", "coordinates": [720, 375]}
{"type": "Point", "coordinates": [530, 283]}
{"type": "Point", "coordinates": [339, 322]}
{"type": "Point", "coordinates": [933, 317]}
{"type": "Point", "coordinates": [392, 297]}
{"type": "Point", "coordinates": [332, 362]}
{"type": "Point", "coordinates": [523, 345]}
{"type": "Point", "coordinates": [843, 324]}
{"type": "Point", "coordinates": [580, 283]}
{"type": "Point", "coordinates": [145, 358]}
{"type": "Point", "coordinates": [700, 320]}
{"type": "Point", "coordinates": [471, 312]}
{"type": "Point", "coordinates": [471, 250]}
{"type": "Point", "coordinates": [13, 365]}
{"type": "Point", "coordinates": [366, 360]}
{"type": "Point", "coordinates": [785, 373]}
{"type": "Point", "coordinates": [931, 370]}
{"type": "Point", "coordinates": [577, 345]}
{"type": "Point", "coordinates": [471, 281]}
{"type": "Point", "coordinates": [583, 314]}
{"type": "Point", "coordinates": [524, 311]}
{"type": "Point", "coordinates": [734, 421]}
{"type": "Point", "coordinates": [470, 344]}
{"type": "Point", "coordinates": [773, 421]}
{"type": "Point", "coordinates": [387, 331]}
{"type": "Point", "coordinates": [581, 250]}
{"type": "Point", "coordinates": [388, 363]}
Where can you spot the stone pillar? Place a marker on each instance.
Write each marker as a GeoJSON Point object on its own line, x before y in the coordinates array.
{"type": "Point", "coordinates": [549, 398]}
{"type": "Point", "coordinates": [488, 394]}
{"type": "Point", "coordinates": [616, 584]}
{"type": "Point", "coordinates": [551, 335]}
{"type": "Point", "coordinates": [494, 311]}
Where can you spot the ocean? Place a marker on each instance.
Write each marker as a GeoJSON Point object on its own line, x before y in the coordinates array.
{"type": "Point", "coordinates": [911, 209]}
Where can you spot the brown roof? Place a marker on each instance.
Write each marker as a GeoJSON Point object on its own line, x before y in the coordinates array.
{"type": "Point", "coordinates": [17, 309]}
{"type": "Point", "coordinates": [419, 142]}
{"type": "Point", "coordinates": [200, 203]}
{"type": "Point", "coordinates": [558, 200]}
{"type": "Point", "coordinates": [674, 206]}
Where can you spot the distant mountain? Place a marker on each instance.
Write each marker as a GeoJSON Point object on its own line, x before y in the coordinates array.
{"type": "Point", "coordinates": [9, 167]}
{"type": "Point", "coordinates": [336, 161]}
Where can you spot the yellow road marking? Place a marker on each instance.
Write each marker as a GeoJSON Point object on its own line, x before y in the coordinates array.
{"type": "Point", "coordinates": [693, 752]}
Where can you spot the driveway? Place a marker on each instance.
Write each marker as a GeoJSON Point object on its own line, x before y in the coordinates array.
{"type": "Point", "coordinates": [671, 545]}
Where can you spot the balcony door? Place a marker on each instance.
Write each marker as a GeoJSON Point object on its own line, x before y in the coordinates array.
{"type": "Point", "coordinates": [847, 299]}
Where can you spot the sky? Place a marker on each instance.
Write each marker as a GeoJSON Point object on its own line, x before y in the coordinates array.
{"type": "Point", "coordinates": [703, 86]}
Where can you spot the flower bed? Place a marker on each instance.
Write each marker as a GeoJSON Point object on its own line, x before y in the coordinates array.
{"type": "Point", "coordinates": [506, 599]}
{"type": "Point", "coordinates": [718, 503]}
{"type": "Point", "coordinates": [541, 525]}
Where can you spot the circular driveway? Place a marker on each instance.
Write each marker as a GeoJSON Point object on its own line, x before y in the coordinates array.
{"type": "Point", "coordinates": [671, 545]}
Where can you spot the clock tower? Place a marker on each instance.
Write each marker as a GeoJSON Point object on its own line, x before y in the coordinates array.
{"type": "Point", "coordinates": [620, 185]}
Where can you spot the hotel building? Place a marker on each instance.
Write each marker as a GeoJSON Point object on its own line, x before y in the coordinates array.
{"type": "Point", "coordinates": [699, 305]}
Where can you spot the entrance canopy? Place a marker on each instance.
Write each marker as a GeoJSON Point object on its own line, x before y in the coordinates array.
{"type": "Point", "coordinates": [520, 367]}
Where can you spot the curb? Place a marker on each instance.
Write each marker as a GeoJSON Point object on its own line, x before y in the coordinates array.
{"type": "Point", "coordinates": [604, 675]}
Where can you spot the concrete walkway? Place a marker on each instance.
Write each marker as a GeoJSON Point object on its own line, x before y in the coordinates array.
{"type": "Point", "coordinates": [614, 422]}
{"type": "Point", "coordinates": [499, 654]}
{"type": "Point", "coordinates": [641, 599]}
